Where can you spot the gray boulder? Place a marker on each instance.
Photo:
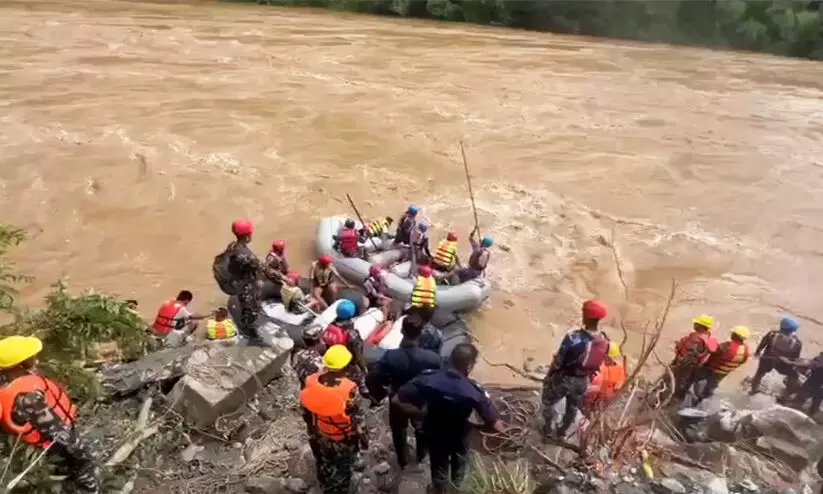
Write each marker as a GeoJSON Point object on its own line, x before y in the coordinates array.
{"type": "Point", "coordinates": [157, 367]}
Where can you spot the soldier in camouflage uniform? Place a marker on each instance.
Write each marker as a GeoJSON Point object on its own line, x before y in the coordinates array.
{"type": "Point", "coordinates": [309, 359]}
{"type": "Point", "coordinates": [334, 440]}
{"type": "Point", "coordinates": [45, 412]}
{"type": "Point", "coordinates": [247, 272]}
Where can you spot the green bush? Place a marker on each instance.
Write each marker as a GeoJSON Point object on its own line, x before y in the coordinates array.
{"type": "Point", "coordinates": [9, 277]}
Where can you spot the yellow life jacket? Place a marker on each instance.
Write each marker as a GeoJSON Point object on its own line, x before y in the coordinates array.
{"type": "Point", "coordinates": [424, 293]}
{"type": "Point", "coordinates": [222, 330]}
{"type": "Point", "coordinates": [377, 227]}
{"type": "Point", "coordinates": [444, 256]}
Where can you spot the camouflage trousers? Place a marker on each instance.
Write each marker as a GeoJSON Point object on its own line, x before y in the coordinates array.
{"type": "Point", "coordinates": [555, 388]}
{"type": "Point", "coordinates": [79, 466]}
{"type": "Point", "coordinates": [335, 464]}
{"type": "Point", "coordinates": [359, 377]}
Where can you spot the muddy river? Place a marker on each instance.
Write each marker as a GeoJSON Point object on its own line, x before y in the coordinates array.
{"type": "Point", "coordinates": [132, 134]}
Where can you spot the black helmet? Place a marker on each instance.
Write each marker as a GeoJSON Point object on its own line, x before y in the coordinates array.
{"type": "Point", "coordinates": [349, 223]}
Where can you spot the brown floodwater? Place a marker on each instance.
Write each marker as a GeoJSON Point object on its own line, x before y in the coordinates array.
{"type": "Point", "coordinates": [132, 134]}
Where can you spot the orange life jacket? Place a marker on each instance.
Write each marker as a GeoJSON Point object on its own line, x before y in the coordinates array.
{"type": "Point", "coordinates": [164, 322]}
{"type": "Point", "coordinates": [606, 383]}
{"type": "Point", "coordinates": [687, 343]}
{"type": "Point", "coordinates": [348, 241]}
{"type": "Point", "coordinates": [728, 357]}
{"type": "Point", "coordinates": [444, 256]}
{"type": "Point", "coordinates": [327, 404]}
{"type": "Point", "coordinates": [56, 399]}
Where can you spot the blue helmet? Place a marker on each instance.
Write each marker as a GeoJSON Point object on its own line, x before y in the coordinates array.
{"type": "Point", "coordinates": [345, 310]}
{"type": "Point", "coordinates": [423, 227]}
{"type": "Point", "coordinates": [486, 242]}
{"type": "Point", "coordinates": [788, 325]}
{"type": "Point", "coordinates": [413, 210]}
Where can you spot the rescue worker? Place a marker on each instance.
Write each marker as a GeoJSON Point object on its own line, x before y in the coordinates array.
{"type": "Point", "coordinates": [221, 328]}
{"type": "Point", "coordinates": [445, 257]}
{"type": "Point", "coordinates": [336, 423]}
{"type": "Point", "coordinates": [777, 345]}
{"type": "Point", "coordinates": [276, 259]}
{"type": "Point", "coordinates": [394, 369]}
{"type": "Point", "coordinates": [323, 276]}
{"type": "Point", "coordinates": [691, 352]}
{"type": "Point", "coordinates": [39, 413]}
{"type": "Point", "coordinates": [406, 226]}
{"type": "Point", "coordinates": [343, 332]}
{"type": "Point", "coordinates": [293, 298]}
{"type": "Point", "coordinates": [729, 356]}
{"type": "Point", "coordinates": [376, 229]}
{"type": "Point", "coordinates": [420, 245]}
{"type": "Point", "coordinates": [448, 397]}
{"type": "Point", "coordinates": [424, 295]}
{"type": "Point", "coordinates": [607, 382]}
{"type": "Point", "coordinates": [309, 359]}
{"type": "Point", "coordinates": [377, 291]}
{"type": "Point", "coordinates": [174, 318]}
{"type": "Point", "coordinates": [812, 387]}
{"type": "Point", "coordinates": [245, 273]}
{"type": "Point", "coordinates": [478, 260]}
{"type": "Point", "coordinates": [580, 355]}
{"type": "Point", "coordinates": [346, 240]}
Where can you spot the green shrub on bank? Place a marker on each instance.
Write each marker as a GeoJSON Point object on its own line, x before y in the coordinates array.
{"type": "Point", "coordinates": [782, 27]}
{"type": "Point", "coordinates": [9, 237]}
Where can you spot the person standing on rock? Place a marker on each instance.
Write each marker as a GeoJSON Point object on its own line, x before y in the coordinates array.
{"type": "Point", "coordinates": [691, 352]}
{"type": "Point", "coordinates": [445, 399]}
{"type": "Point", "coordinates": [579, 357]}
{"type": "Point", "coordinates": [394, 369]}
{"type": "Point", "coordinates": [309, 359]}
{"type": "Point", "coordinates": [775, 346]}
{"type": "Point", "coordinates": [729, 356]}
{"type": "Point", "coordinates": [343, 332]}
{"type": "Point", "coordinates": [39, 413]}
{"type": "Point", "coordinates": [336, 422]}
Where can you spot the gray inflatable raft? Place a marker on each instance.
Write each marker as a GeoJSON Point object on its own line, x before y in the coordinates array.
{"type": "Point", "coordinates": [460, 298]}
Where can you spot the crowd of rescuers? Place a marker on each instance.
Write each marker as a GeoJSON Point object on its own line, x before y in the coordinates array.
{"type": "Point", "coordinates": [434, 396]}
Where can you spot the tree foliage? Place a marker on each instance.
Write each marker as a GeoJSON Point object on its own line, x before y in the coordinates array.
{"type": "Point", "coordinates": [9, 277]}
{"type": "Point", "coordinates": [782, 27]}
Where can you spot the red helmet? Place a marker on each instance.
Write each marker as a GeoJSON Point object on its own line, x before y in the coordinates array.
{"type": "Point", "coordinates": [375, 271]}
{"type": "Point", "coordinates": [241, 228]}
{"type": "Point", "coordinates": [593, 309]}
{"type": "Point", "coordinates": [278, 246]}
{"type": "Point", "coordinates": [451, 237]}
{"type": "Point", "coordinates": [324, 260]}
{"type": "Point", "coordinates": [425, 271]}
{"type": "Point", "coordinates": [294, 276]}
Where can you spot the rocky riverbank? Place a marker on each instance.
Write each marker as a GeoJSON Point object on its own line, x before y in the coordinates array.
{"type": "Point", "coordinates": [254, 439]}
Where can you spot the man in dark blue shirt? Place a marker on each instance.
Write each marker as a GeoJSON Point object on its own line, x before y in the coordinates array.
{"type": "Point", "coordinates": [579, 357]}
{"type": "Point", "coordinates": [448, 397]}
{"type": "Point", "coordinates": [392, 371]}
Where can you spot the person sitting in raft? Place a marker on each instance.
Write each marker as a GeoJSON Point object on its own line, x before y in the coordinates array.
{"type": "Point", "coordinates": [424, 295]}
{"type": "Point", "coordinates": [445, 257]}
{"type": "Point", "coordinates": [174, 322]}
{"type": "Point", "coordinates": [220, 327]}
{"type": "Point", "coordinates": [420, 244]}
{"type": "Point", "coordinates": [478, 261]}
{"type": "Point", "coordinates": [607, 382]}
{"type": "Point", "coordinates": [294, 300]}
{"type": "Point", "coordinates": [276, 259]}
{"type": "Point", "coordinates": [324, 276]}
{"type": "Point", "coordinates": [346, 240]}
{"type": "Point", "coordinates": [377, 229]}
{"type": "Point", "coordinates": [377, 292]}
{"type": "Point", "coordinates": [406, 226]}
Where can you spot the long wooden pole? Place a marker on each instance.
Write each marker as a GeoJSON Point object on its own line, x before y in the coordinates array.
{"type": "Point", "coordinates": [471, 192]}
{"type": "Point", "coordinates": [361, 221]}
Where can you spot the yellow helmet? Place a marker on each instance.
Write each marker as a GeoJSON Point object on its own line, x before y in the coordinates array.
{"type": "Point", "coordinates": [614, 350]}
{"type": "Point", "coordinates": [742, 332]}
{"type": "Point", "coordinates": [15, 350]}
{"type": "Point", "coordinates": [705, 321]}
{"type": "Point", "coordinates": [337, 357]}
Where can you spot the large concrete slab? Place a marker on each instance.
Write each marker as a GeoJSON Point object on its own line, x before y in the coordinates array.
{"type": "Point", "coordinates": [220, 380]}
{"type": "Point", "coordinates": [126, 378]}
